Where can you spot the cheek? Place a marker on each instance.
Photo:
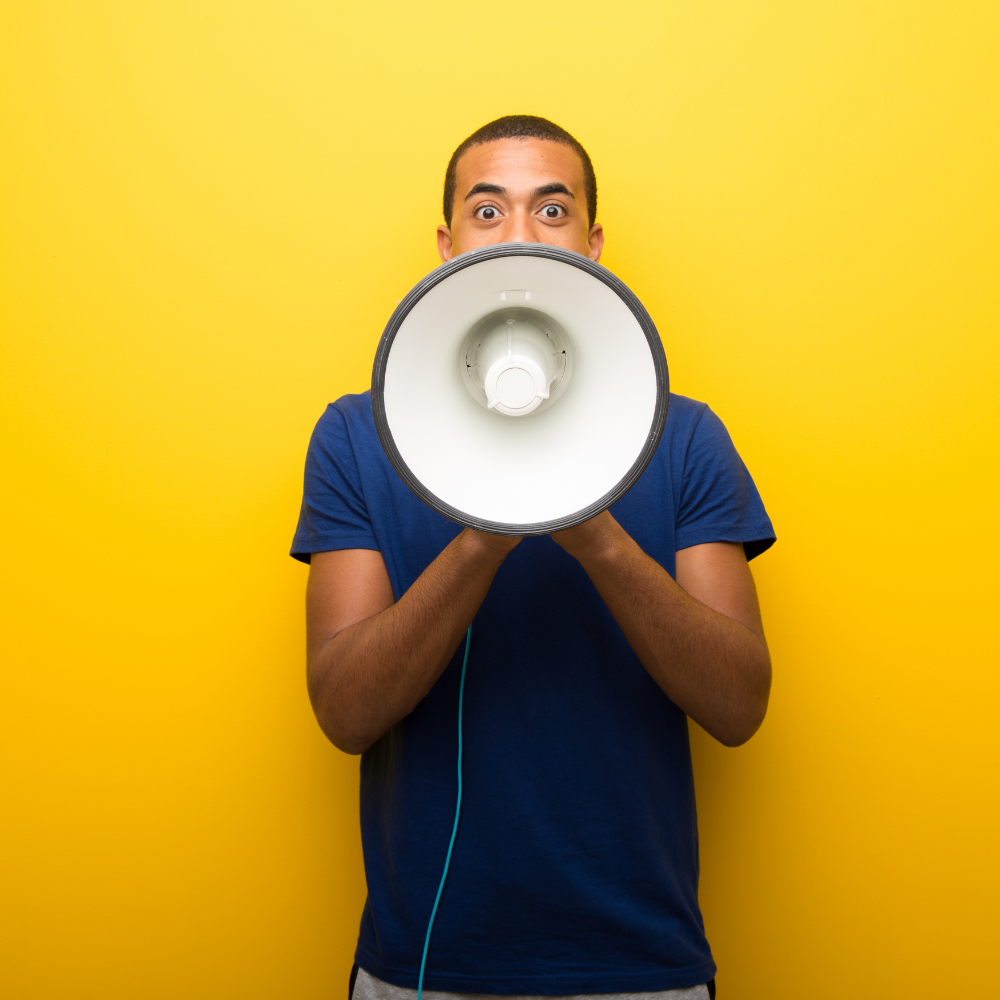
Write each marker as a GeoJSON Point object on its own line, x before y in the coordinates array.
{"type": "Point", "coordinates": [467, 234]}
{"type": "Point", "coordinates": [571, 233]}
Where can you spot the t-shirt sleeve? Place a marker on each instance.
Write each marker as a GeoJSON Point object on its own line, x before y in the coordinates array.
{"type": "Point", "coordinates": [334, 514]}
{"type": "Point", "coordinates": [719, 501]}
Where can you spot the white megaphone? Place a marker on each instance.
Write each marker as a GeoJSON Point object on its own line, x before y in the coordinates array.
{"type": "Point", "coordinates": [520, 389]}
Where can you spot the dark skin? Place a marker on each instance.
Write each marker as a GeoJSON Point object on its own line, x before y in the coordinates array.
{"type": "Point", "coordinates": [372, 659]}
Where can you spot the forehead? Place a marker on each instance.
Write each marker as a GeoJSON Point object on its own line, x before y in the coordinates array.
{"type": "Point", "coordinates": [519, 163]}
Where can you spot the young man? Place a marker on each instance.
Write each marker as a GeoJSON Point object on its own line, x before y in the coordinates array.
{"type": "Point", "coordinates": [576, 864]}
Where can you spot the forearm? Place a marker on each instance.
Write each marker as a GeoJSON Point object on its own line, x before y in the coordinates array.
{"type": "Point", "coordinates": [368, 676]}
{"type": "Point", "coordinates": [712, 666]}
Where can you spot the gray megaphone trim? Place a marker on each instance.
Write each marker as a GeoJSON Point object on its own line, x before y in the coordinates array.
{"type": "Point", "coordinates": [521, 250]}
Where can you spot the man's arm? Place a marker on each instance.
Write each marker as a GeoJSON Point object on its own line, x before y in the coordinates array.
{"type": "Point", "coordinates": [700, 638]}
{"type": "Point", "coordinates": [370, 661]}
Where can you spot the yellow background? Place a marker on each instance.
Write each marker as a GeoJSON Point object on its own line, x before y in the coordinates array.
{"type": "Point", "coordinates": [209, 212]}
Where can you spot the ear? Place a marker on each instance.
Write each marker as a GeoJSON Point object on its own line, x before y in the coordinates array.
{"type": "Point", "coordinates": [595, 239]}
{"type": "Point", "coordinates": [444, 243]}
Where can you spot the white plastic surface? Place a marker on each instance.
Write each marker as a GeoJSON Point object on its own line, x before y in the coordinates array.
{"type": "Point", "coordinates": [537, 341]}
{"type": "Point", "coordinates": [553, 462]}
{"type": "Point", "coordinates": [517, 364]}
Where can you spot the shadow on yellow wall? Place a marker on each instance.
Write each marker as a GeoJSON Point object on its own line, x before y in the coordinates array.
{"type": "Point", "coordinates": [210, 211]}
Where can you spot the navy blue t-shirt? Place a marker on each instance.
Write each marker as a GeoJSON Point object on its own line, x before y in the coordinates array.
{"type": "Point", "coordinates": [575, 869]}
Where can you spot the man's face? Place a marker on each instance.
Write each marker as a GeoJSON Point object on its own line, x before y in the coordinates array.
{"type": "Point", "coordinates": [515, 190]}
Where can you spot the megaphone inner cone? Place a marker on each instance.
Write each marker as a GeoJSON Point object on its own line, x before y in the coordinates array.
{"type": "Point", "coordinates": [515, 360]}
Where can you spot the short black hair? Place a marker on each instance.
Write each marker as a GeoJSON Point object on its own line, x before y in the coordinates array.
{"type": "Point", "coordinates": [521, 127]}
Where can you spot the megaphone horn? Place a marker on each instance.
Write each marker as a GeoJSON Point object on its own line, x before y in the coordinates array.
{"type": "Point", "coordinates": [520, 389]}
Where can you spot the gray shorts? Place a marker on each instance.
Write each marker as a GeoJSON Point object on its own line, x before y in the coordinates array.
{"type": "Point", "coordinates": [366, 987]}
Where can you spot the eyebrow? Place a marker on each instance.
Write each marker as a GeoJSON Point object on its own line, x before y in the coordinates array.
{"type": "Point", "coordinates": [485, 189]}
{"type": "Point", "coordinates": [555, 188]}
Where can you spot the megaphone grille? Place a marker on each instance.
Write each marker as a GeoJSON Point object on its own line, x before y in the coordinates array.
{"type": "Point", "coordinates": [562, 463]}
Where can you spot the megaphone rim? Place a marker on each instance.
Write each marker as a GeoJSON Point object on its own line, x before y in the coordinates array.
{"type": "Point", "coordinates": [468, 259]}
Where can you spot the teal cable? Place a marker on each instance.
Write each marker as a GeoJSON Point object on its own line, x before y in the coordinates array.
{"type": "Point", "coordinates": [454, 829]}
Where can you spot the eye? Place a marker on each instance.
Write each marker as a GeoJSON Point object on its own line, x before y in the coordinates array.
{"type": "Point", "coordinates": [553, 211]}
{"type": "Point", "coordinates": [487, 213]}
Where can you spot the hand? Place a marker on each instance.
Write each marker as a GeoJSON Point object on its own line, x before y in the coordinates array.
{"type": "Point", "coordinates": [495, 545]}
{"type": "Point", "coordinates": [590, 538]}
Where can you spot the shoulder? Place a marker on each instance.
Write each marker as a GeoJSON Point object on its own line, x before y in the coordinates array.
{"type": "Point", "coordinates": [344, 436]}
{"type": "Point", "coordinates": [683, 413]}
{"type": "Point", "coordinates": [352, 410]}
{"type": "Point", "coordinates": [695, 442]}
{"type": "Point", "coordinates": [701, 452]}
{"type": "Point", "coordinates": [691, 422]}
{"type": "Point", "coordinates": [345, 421]}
